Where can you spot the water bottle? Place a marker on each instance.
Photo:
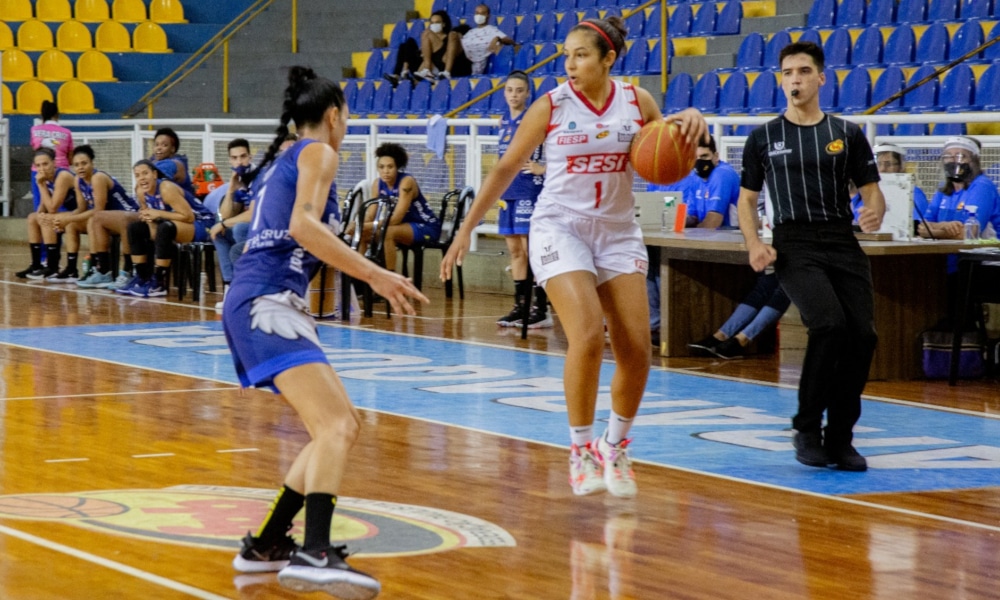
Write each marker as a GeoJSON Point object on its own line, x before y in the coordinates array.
{"type": "Point", "coordinates": [85, 267]}
{"type": "Point", "coordinates": [971, 224]}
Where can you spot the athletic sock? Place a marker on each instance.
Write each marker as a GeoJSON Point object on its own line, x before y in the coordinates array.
{"type": "Point", "coordinates": [161, 274]}
{"type": "Point", "coordinates": [129, 265]}
{"type": "Point", "coordinates": [618, 428]}
{"type": "Point", "coordinates": [36, 255]}
{"type": "Point", "coordinates": [71, 261]}
{"type": "Point", "coordinates": [103, 261]}
{"type": "Point", "coordinates": [319, 515]}
{"type": "Point", "coordinates": [52, 256]}
{"type": "Point", "coordinates": [279, 517]}
{"type": "Point", "coordinates": [581, 435]}
{"type": "Point", "coordinates": [143, 270]}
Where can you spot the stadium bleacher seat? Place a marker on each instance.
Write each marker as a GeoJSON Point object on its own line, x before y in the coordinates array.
{"type": "Point", "coordinates": [838, 48]}
{"type": "Point", "coordinates": [373, 68]}
{"type": "Point", "coordinates": [34, 35]}
{"type": "Point", "coordinates": [899, 48]}
{"type": "Point", "coordinates": [30, 96]}
{"type": "Point", "coordinates": [128, 11]}
{"type": "Point", "coordinates": [967, 38]}
{"type": "Point", "coordinates": [166, 11]}
{"type": "Point", "coordinates": [416, 29]}
{"type": "Point", "coordinates": [761, 97]}
{"type": "Point", "coordinates": [855, 90]}
{"type": "Point", "coordinates": [992, 54]}
{"type": "Point", "coordinates": [508, 25]}
{"type": "Point", "coordinates": [545, 28]}
{"type": "Point", "coordinates": [680, 24]}
{"type": "Point", "coordinates": [350, 89]}
{"type": "Point", "coordinates": [925, 97]}
{"type": "Point", "coordinates": [910, 129]}
{"type": "Point", "coordinates": [460, 90]}
{"type": "Point", "coordinates": [508, 7]}
{"type": "Point", "coordinates": [525, 57]}
{"type": "Point", "coordinates": [498, 105]}
{"type": "Point", "coordinates": [74, 98]}
{"type": "Point", "coordinates": [956, 88]}
{"type": "Point", "coordinates": [728, 21]}
{"type": "Point", "coordinates": [880, 12]}
{"type": "Point", "coordinates": [149, 37]}
{"type": "Point", "coordinates": [733, 94]}
{"type": "Point", "coordinates": [568, 21]}
{"type": "Point", "coordinates": [987, 96]}
{"type": "Point", "coordinates": [850, 13]}
{"type": "Point", "coordinates": [943, 10]}
{"type": "Point", "coordinates": [94, 66]}
{"type": "Point", "coordinates": [6, 36]}
{"type": "Point", "coordinates": [634, 62]}
{"type": "Point", "coordinates": [975, 9]}
{"type": "Point", "coordinates": [637, 21]}
{"type": "Point", "coordinates": [544, 51]}
{"type": "Point", "coordinates": [948, 129]}
{"type": "Point", "coordinates": [111, 36]}
{"type": "Point", "coordinates": [911, 11]}
{"type": "Point", "coordinates": [440, 98]}
{"type": "Point", "coordinates": [399, 34]}
{"type": "Point", "coordinates": [545, 85]}
{"type": "Point", "coordinates": [545, 6]}
{"type": "Point", "coordinates": [773, 48]}
{"type": "Point", "coordinates": [654, 64]}
{"type": "Point", "coordinates": [381, 100]}
{"type": "Point", "coordinates": [932, 46]}
{"type": "Point", "coordinates": [483, 85]}
{"type": "Point", "coordinates": [829, 93]}
{"type": "Point", "coordinates": [704, 19]}
{"type": "Point", "coordinates": [400, 103]}
{"type": "Point", "coordinates": [54, 65]}
{"type": "Point", "coordinates": [363, 99]}
{"type": "Point", "coordinates": [7, 105]}
{"type": "Point", "coordinates": [811, 35]}
{"type": "Point", "coordinates": [16, 65]}
{"type": "Point", "coordinates": [822, 14]}
{"type": "Point", "coordinates": [889, 82]}
{"type": "Point", "coordinates": [868, 47]}
{"type": "Point", "coordinates": [585, 4]}
{"type": "Point", "coordinates": [92, 11]}
{"type": "Point", "coordinates": [16, 10]}
{"type": "Point", "coordinates": [751, 52]}
{"type": "Point", "coordinates": [705, 94]}
{"type": "Point", "coordinates": [502, 62]}
{"type": "Point", "coordinates": [53, 10]}
{"type": "Point", "coordinates": [525, 31]}
{"type": "Point", "coordinates": [74, 36]}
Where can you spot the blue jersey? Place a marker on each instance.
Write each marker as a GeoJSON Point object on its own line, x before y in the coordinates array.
{"type": "Point", "coordinates": [69, 202]}
{"type": "Point", "coordinates": [718, 193]}
{"type": "Point", "coordinates": [168, 167]}
{"type": "Point", "coordinates": [201, 213]}
{"type": "Point", "coordinates": [273, 261]}
{"type": "Point", "coordinates": [419, 211]}
{"type": "Point", "coordinates": [118, 198]}
{"type": "Point", "coordinates": [525, 185]}
{"type": "Point", "coordinates": [981, 193]}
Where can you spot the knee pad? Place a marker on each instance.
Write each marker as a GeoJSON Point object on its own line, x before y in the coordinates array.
{"type": "Point", "coordinates": [138, 238]}
{"type": "Point", "coordinates": [166, 233]}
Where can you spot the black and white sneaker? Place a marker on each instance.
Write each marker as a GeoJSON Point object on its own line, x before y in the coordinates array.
{"type": "Point", "coordinates": [512, 318]}
{"type": "Point", "coordinates": [43, 274]}
{"type": "Point", "coordinates": [326, 571]}
{"type": "Point", "coordinates": [32, 269]}
{"type": "Point", "coordinates": [537, 319]}
{"type": "Point", "coordinates": [257, 558]}
{"type": "Point", "coordinates": [64, 276]}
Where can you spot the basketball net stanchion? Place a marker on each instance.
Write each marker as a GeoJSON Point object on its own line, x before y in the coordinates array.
{"type": "Point", "coordinates": [938, 71]}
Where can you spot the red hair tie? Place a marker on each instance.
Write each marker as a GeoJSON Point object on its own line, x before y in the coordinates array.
{"type": "Point", "coordinates": [600, 31]}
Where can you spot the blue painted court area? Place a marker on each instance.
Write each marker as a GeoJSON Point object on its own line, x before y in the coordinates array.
{"type": "Point", "coordinates": [730, 428]}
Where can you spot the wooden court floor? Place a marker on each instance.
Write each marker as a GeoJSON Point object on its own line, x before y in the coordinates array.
{"type": "Point", "coordinates": [687, 535]}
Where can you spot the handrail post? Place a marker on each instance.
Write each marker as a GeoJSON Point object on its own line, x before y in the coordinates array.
{"type": "Point", "coordinates": [295, 26]}
{"type": "Point", "coordinates": [664, 55]}
{"type": "Point", "coordinates": [225, 76]}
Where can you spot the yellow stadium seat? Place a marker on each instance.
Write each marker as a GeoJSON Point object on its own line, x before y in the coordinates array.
{"type": "Point", "coordinates": [94, 65]}
{"type": "Point", "coordinates": [53, 10]}
{"type": "Point", "coordinates": [7, 106]}
{"type": "Point", "coordinates": [92, 11]}
{"type": "Point", "coordinates": [6, 36]}
{"type": "Point", "coordinates": [30, 96]}
{"type": "Point", "coordinates": [128, 11]}
{"type": "Point", "coordinates": [34, 35]}
{"type": "Point", "coordinates": [74, 97]}
{"type": "Point", "coordinates": [15, 10]}
{"type": "Point", "coordinates": [149, 37]}
{"type": "Point", "coordinates": [166, 11]}
{"type": "Point", "coordinates": [73, 36]}
{"type": "Point", "coordinates": [54, 65]}
{"type": "Point", "coordinates": [111, 36]}
{"type": "Point", "coordinates": [16, 65]}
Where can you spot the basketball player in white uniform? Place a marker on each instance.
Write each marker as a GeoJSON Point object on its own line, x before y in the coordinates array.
{"type": "Point", "coordinates": [585, 247]}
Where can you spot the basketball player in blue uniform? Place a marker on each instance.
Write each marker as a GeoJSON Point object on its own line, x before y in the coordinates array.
{"type": "Point", "coordinates": [275, 344]}
{"type": "Point", "coordinates": [516, 205]}
{"type": "Point", "coordinates": [166, 144]}
{"type": "Point", "coordinates": [58, 194]}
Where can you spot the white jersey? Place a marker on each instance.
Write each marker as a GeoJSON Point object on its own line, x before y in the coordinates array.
{"type": "Point", "coordinates": [587, 164]}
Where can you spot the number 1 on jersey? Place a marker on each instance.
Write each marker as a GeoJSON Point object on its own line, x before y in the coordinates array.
{"type": "Point", "coordinates": [597, 193]}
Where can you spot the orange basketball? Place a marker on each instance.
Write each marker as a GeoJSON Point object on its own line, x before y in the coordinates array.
{"type": "Point", "coordinates": [660, 154]}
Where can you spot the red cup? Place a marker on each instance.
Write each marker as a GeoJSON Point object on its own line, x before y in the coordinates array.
{"type": "Point", "coordinates": [680, 218]}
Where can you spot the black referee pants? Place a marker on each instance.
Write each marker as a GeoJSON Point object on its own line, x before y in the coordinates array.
{"type": "Point", "coordinates": [828, 277]}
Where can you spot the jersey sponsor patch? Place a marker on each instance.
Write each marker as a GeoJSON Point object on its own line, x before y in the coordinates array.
{"type": "Point", "coordinates": [835, 147]}
{"type": "Point", "coordinates": [614, 162]}
{"type": "Point", "coordinates": [579, 138]}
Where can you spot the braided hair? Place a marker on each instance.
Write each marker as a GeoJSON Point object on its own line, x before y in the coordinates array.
{"type": "Point", "coordinates": [307, 98]}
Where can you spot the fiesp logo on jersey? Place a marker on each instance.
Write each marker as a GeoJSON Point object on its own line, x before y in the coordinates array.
{"type": "Point", "coordinates": [576, 138]}
{"type": "Point", "coordinates": [597, 163]}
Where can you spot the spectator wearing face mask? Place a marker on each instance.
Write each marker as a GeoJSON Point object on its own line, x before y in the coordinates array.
{"type": "Point", "coordinates": [965, 186]}
{"type": "Point", "coordinates": [483, 40]}
{"type": "Point", "coordinates": [711, 190]}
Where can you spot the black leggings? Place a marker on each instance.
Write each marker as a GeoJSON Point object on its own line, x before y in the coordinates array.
{"type": "Point", "coordinates": [142, 243]}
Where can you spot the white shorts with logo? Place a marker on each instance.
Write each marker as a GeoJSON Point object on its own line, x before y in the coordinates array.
{"type": "Point", "coordinates": [562, 241]}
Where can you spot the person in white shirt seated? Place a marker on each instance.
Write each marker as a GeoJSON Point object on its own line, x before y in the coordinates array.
{"type": "Point", "coordinates": [484, 40]}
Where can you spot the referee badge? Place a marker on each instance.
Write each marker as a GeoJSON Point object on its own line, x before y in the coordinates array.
{"type": "Point", "coordinates": [835, 147]}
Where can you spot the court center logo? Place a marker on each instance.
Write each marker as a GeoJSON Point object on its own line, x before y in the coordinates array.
{"type": "Point", "coordinates": [217, 517]}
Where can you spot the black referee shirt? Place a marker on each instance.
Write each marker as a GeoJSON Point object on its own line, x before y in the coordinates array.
{"type": "Point", "coordinates": [807, 168]}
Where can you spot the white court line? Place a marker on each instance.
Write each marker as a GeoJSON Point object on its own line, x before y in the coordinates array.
{"type": "Point", "coordinates": [238, 450]}
{"type": "Point", "coordinates": [66, 460]}
{"type": "Point", "coordinates": [110, 564]}
{"type": "Point", "coordinates": [160, 455]}
{"type": "Point", "coordinates": [95, 395]}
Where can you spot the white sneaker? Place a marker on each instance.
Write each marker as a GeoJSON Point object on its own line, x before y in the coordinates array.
{"type": "Point", "coordinates": [220, 303]}
{"type": "Point", "coordinates": [585, 475]}
{"type": "Point", "coordinates": [444, 75]}
{"type": "Point", "coordinates": [618, 475]}
{"type": "Point", "coordinates": [124, 277]}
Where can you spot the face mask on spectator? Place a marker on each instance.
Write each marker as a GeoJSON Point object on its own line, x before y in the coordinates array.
{"type": "Point", "coordinates": [479, 19]}
{"type": "Point", "coordinates": [704, 167]}
{"type": "Point", "coordinates": [436, 27]}
{"type": "Point", "coordinates": [957, 171]}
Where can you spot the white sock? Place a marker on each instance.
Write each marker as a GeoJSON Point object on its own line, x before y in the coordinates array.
{"type": "Point", "coordinates": [618, 428]}
{"type": "Point", "coordinates": [581, 435]}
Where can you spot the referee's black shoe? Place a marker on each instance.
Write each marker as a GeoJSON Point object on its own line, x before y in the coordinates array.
{"type": "Point", "coordinates": [809, 449]}
{"type": "Point", "coordinates": [705, 347]}
{"type": "Point", "coordinates": [846, 458]}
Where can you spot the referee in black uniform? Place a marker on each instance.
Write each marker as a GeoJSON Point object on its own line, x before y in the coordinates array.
{"type": "Point", "coordinates": [807, 158]}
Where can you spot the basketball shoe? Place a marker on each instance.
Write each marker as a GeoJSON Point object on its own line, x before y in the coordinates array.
{"type": "Point", "coordinates": [618, 475]}
{"type": "Point", "coordinates": [585, 475]}
{"type": "Point", "coordinates": [327, 571]}
{"type": "Point", "coordinates": [254, 557]}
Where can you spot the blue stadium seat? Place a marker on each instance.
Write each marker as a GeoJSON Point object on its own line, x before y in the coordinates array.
{"type": "Point", "coordinates": [943, 10]}
{"type": "Point", "coordinates": [420, 98]}
{"type": "Point", "coordinates": [828, 94]}
{"type": "Point", "coordinates": [773, 49]}
{"type": "Point", "coordinates": [635, 24]}
{"type": "Point", "coordinates": [351, 93]}
{"type": "Point", "coordinates": [440, 98]}
{"type": "Point", "coordinates": [545, 6]}
{"type": "Point", "coordinates": [679, 25]}
{"type": "Point", "coordinates": [925, 97]}
{"type": "Point", "coordinates": [525, 31]}
{"type": "Point", "coordinates": [911, 11]}
{"type": "Point", "coordinates": [910, 129]}
{"type": "Point", "coordinates": [751, 52]}
{"type": "Point", "coordinates": [822, 14]}
{"type": "Point", "coordinates": [728, 21]}
{"type": "Point", "coordinates": [547, 84]}
{"type": "Point", "coordinates": [811, 35]}
{"type": "Point", "coordinates": [400, 32]}
{"type": "Point", "coordinates": [634, 62]}
{"type": "Point", "coordinates": [652, 26]}
{"type": "Point", "coordinates": [968, 37]}
{"type": "Point", "coordinates": [483, 106]}
{"type": "Point", "coordinates": [838, 48]}
{"type": "Point", "coordinates": [373, 68]}
{"type": "Point", "coordinates": [868, 48]}
{"type": "Point", "coordinates": [948, 129]}
{"type": "Point", "coordinates": [956, 89]}
{"type": "Point", "coordinates": [400, 103]}
{"type": "Point", "coordinates": [568, 21]}
{"type": "Point", "coordinates": [850, 12]}
{"type": "Point", "coordinates": [460, 90]}
{"type": "Point", "coordinates": [546, 50]}
{"type": "Point", "coordinates": [498, 105]}
{"type": "Point", "coordinates": [880, 12]}
{"type": "Point", "coordinates": [559, 65]}
{"type": "Point", "coordinates": [502, 62]}
{"type": "Point", "coordinates": [565, 5]}
{"type": "Point", "coordinates": [733, 95]}
{"type": "Point", "coordinates": [508, 25]}
{"type": "Point", "coordinates": [704, 19]}
{"type": "Point", "coordinates": [507, 7]}
{"type": "Point", "coordinates": [416, 29]}
{"type": "Point", "coordinates": [585, 4]}
{"type": "Point", "coordinates": [525, 57]}
{"type": "Point", "coordinates": [525, 7]}
{"type": "Point", "coordinates": [888, 83]}
{"type": "Point", "coordinates": [974, 9]}
{"type": "Point", "coordinates": [988, 89]}
{"type": "Point", "coordinates": [932, 46]}
{"type": "Point", "coordinates": [705, 95]}
{"type": "Point", "coordinates": [992, 54]}
{"type": "Point", "coordinates": [678, 96]}
{"type": "Point", "coordinates": [439, 5]}
{"type": "Point", "coordinates": [900, 46]}
{"type": "Point", "coordinates": [389, 62]}
{"type": "Point", "coordinates": [363, 99]}
{"type": "Point", "coordinates": [382, 99]}
{"type": "Point", "coordinates": [763, 92]}
{"type": "Point", "coordinates": [595, 13]}
{"type": "Point", "coordinates": [654, 64]}
{"type": "Point", "coordinates": [855, 91]}
{"type": "Point", "coordinates": [545, 28]}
